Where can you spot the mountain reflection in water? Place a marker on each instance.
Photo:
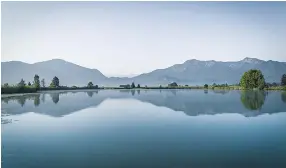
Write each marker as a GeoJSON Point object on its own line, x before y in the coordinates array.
{"type": "Point", "coordinates": [191, 102]}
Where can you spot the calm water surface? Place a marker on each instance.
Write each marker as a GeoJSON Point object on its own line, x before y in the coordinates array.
{"type": "Point", "coordinates": [144, 128]}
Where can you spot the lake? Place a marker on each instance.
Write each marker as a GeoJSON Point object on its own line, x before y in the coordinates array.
{"type": "Point", "coordinates": [144, 128]}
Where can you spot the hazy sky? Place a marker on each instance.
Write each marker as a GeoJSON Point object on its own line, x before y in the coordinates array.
{"type": "Point", "coordinates": [123, 38]}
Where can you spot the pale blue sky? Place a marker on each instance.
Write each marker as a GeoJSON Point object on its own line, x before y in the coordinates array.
{"type": "Point", "coordinates": [123, 38]}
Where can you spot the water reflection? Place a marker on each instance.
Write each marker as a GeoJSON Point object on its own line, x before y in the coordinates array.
{"type": "Point", "coordinates": [90, 94]}
{"type": "Point", "coordinates": [206, 91]}
{"type": "Point", "coordinates": [37, 100]}
{"type": "Point", "coordinates": [221, 91]}
{"type": "Point", "coordinates": [21, 100]}
{"type": "Point", "coordinates": [6, 121]}
{"type": "Point", "coordinates": [133, 92]}
{"type": "Point", "coordinates": [43, 97]}
{"type": "Point", "coordinates": [129, 126]}
{"type": "Point", "coordinates": [5, 100]}
{"type": "Point", "coordinates": [192, 103]}
{"type": "Point", "coordinates": [253, 100]}
{"type": "Point", "coordinates": [283, 97]}
{"type": "Point", "coordinates": [55, 97]}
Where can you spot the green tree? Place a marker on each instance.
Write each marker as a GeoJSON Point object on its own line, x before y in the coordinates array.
{"type": "Point", "coordinates": [138, 86]}
{"type": "Point", "coordinates": [283, 80]}
{"type": "Point", "coordinates": [22, 83]}
{"type": "Point", "coordinates": [132, 85]}
{"type": "Point", "coordinates": [252, 79]}
{"type": "Point", "coordinates": [37, 81]}
{"type": "Point", "coordinates": [174, 84]}
{"type": "Point", "coordinates": [29, 84]}
{"type": "Point", "coordinates": [90, 85]}
{"type": "Point", "coordinates": [55, 82]}
{"type": "Point", "coordinates": [43, 82]}
{"type": "Point", "coordinates": [252, 100]}
{"type": "Point", "coordinates": [6, 85]}
{"type": "Point", "coordinates": [206, 86]}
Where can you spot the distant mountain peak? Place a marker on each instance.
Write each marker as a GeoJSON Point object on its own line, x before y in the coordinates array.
{"type": "Point", "coordinates": [251, 60]}
{"type": "Point", "coordinates": [57, 60]}
{"type": "Point", "coordinates": [15, 62]}
{"type": "Point", "coordinates": [208, 63]}
{"type": "Point", "coordinates": [192, 61]}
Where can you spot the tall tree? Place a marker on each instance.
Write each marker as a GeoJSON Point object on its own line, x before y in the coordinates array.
{"type": "Point", "coordinates": [29, 83]}
{"type": "Point", "coordinates": [55, 82]}
{"type": "Point", "coordinates": [252, 79]}
{"type": "Point", "coordinates": [22, 83]}
{"type": "Point", "coordinates": [90, 85]}
{"type": "Point", "coordinates": [132, 85]}
{"type": "Point", "coordinates": [37, 81]}
{"type": "Point", "coordinates": [138, 86]}
{"type": "Point", "coordinates": [206, 86]}
{"type": "Point", "coordinates": [43, 82]}
{"type": "Point", "coordinates": [283, 80]}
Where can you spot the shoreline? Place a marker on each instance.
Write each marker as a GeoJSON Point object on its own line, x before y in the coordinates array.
{"type": "Point", "coordinates": [148, 88]}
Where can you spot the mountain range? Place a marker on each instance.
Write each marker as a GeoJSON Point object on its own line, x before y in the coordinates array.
{"type": "Point", "coordinates": [191, 72]}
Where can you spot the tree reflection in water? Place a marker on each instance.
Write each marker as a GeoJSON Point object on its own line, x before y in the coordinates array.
{"type": "Point", "coordinates": [37, 100]}
{"type": "Point", "coordinates": [90, 94]}
{"type": "Point", "coordinates": [133, 92]}
{"type": "Point", "coordinates": [21, 100]}
{"type": "Point", "coordinates": [253, 100]}
{"type": "Point", "coordinates": [55, 97]}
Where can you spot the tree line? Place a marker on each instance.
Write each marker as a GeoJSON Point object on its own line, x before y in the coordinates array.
{"type": "Point", "coordinates": [252, 79]}
{"type": "Point", "coordinates": [37, 84]}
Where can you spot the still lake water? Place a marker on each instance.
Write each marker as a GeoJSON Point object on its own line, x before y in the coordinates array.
{"type": "Point", "coordinates": [144, 128]}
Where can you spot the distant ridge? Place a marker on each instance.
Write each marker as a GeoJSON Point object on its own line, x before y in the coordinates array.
{"type": "Point", "coordinates": [193, 72]}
